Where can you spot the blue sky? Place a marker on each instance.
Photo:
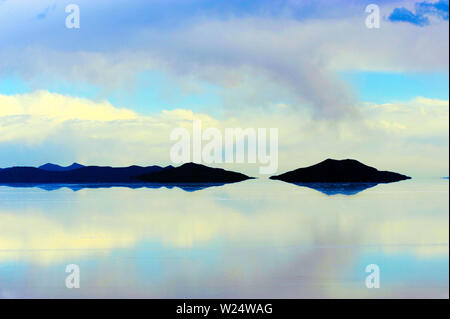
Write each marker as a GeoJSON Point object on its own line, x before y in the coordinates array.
{"type": "Point", "coordinates": [153, 91]}
{"type": "Point", "coordinates": [380, 87]}
{"type": "Point", "coordinates": [422, 13]}
{"type": "Point", "coordinates": [298, 65]}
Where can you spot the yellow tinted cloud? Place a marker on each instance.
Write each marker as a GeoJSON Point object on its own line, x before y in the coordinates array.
{"type": "Point", "coordinates": [419, 116]}
{"type": "Point", "coordinates": [61, 107]}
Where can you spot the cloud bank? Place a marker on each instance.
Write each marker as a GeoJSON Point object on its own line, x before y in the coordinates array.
{"type": "Point", "coordinates": [413, 133]}
{"type": "Point", "coordinates": [260, 59]}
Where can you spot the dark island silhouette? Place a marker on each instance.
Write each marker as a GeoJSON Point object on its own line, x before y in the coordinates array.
{"type": "Point", "coordinates": [330, 177]}
{"type": "Point", "coordinates": [340, 171]}
{"type": "Point", "coordinates": [193, 173]}
{"type": "Point", "coordinates": [79, 176]}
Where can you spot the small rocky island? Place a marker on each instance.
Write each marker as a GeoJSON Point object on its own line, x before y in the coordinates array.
{"type": "Point", "coordinates": [339, 171]}
{"type": "Point", "coordinates": [79, 174]}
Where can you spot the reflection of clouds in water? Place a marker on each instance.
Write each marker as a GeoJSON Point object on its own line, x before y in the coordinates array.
{"type": "Point", "coordinates": [121, 218]}
{"type": "Point", "coordinates": [252, 239]}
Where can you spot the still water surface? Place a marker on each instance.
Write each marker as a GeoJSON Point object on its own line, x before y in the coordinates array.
{"type": "Point", "coordinates": [258, 239]}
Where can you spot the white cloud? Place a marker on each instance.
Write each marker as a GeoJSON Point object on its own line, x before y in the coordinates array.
{"type": "Point", "coordinates": [421, 117]}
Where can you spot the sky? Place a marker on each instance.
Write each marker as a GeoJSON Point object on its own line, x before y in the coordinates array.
{"type": "Point", "coordinates": [111, 91]}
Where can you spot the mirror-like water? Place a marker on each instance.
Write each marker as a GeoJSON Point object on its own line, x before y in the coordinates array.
{"type": "Point", "coordinates": [258, 238]}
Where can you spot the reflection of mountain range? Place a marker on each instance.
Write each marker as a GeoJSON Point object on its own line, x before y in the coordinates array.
{"type": "Point", "coordinates": [340, 171]}
{"type": "Point", "coordinates": [188, 176]}
{"type": "Point", "coordinates": [192, 187]}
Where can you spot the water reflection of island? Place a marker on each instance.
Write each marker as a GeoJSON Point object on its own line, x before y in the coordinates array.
{"type": "Point", "coordinates": [333, 177]}
{"type": "Point", "coordinates": [338, 188]}
{"type": "Point", "coordinates": [188, 177]}
{"type": "Point", "coordinates": [187, 187]}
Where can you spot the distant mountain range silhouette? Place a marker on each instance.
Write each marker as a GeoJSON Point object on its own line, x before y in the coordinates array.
{"type": "Point", "coordinates": [79, 174]}
{"type": "Point", "coordinates": [339, 171]}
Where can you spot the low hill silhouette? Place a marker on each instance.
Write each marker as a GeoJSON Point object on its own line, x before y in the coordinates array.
{"type": "Point", "coordinates": [340, 171]}
{"type": "Point", "coordinates": [193, 173]}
